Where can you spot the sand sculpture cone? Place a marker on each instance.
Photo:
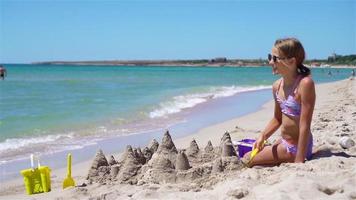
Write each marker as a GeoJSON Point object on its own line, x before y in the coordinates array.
{"type": "Point", "coordinates": [124, 155]}
{"type": "Point", "coordinates": [193, 148]}
{"type": "Point", "coordinates": [226, 147]}
{"type": "Point", "coordinates": [166, 154]}
{"type": "Point", "coordinates": [226, 138]}
{"type": "Point", "coordinates": [161, 168]}
{"type": "Point", "coordinates": [130, 166]}
{"type": "Point", "coordinates": [228, 150]}
{"type": "Point", "coordinates": [139, 155]}
{"type": "Point", "coordinates": [98, 161]}
{"type": "Point", "coordinates": [161, 162]}
{"type": "Point", "coordinates": [147, 153]}
{"type": "Point", "coordinates": [132, 155]}
{"type": "Point", "coordinates": [217, 165]}
{"type": "Point", "coordinates": [153, 146]}
{"type": "Point", "coordinates": [112, 160]}
{"type": "Point", "coordinates": [209, 147]}
{"type": "Point", "coordinates": [182, 162]}
{"type": "Point", "coordinates": [114, 170]}
{"type": "Point", "coordinates": [167, 144]}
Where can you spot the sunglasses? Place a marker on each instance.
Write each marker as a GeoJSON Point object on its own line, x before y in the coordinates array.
{"type": "Point", "coordinates": [275, 58]}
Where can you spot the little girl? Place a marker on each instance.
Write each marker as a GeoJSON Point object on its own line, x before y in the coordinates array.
{"type": "Point", "coordinates": [294, 97]}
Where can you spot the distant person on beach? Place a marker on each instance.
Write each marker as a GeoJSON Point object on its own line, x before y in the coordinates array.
{"type": "Point", "coordinates": [329, 73]}
{"type": "Point", "coordinates": [352, 74]}
{"type": "Point", "coordinates": [2, 72]}
{"type": "Point", "coordinates": [294, 97]}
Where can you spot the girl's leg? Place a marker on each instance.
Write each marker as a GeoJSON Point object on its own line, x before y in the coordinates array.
{"type": "Point", "coordinates": [271, 155]}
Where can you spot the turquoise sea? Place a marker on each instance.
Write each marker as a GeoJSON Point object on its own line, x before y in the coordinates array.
{"type": "Point", "coordinates": [46, 109]}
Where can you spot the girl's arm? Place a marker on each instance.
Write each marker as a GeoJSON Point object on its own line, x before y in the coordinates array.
{"type": "Point", "coordinates": [273, 124]}
{"type": "Point", "coordinates": [307, 95]}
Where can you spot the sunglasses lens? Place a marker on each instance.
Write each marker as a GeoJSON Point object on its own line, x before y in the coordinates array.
{"type": "Point", "coordinates": [272, 57]}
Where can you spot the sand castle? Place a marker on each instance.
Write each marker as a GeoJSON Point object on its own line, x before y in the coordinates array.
{"type": "Point", "coordinates": [164, 163]}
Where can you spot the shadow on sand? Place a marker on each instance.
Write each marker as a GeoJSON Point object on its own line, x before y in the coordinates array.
{"type": "Point", "coordinates": [323, 153]}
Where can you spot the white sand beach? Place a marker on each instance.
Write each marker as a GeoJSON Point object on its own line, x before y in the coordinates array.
{"type": "Point", "coordinates": [331, 174]}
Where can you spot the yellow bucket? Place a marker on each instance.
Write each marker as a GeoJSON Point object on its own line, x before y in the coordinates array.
{"type": "Point", "coordinates": [37, 180]}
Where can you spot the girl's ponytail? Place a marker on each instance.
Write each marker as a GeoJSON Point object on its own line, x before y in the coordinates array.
{"type": "Point", "coordinates": [303, 70]}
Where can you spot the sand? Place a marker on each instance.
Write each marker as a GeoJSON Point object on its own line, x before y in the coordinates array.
{"type": "Point", "coordinates": [203, 165]}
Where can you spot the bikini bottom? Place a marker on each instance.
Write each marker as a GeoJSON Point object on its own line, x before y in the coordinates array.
{"type": "Point", "coordinates": [291, 148]}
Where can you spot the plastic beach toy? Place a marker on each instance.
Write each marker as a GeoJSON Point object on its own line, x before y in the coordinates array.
{"type": "Point", "coordinates": [244, 146]}
{"type": "Point", "coordinates": [37, 180]}
{"type": "Point", "coordinates": [69, 181]}
{"type": "Point", "coordinates": [255, 151]}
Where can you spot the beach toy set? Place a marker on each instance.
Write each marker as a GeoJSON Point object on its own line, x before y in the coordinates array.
{"type": "Point", "coordinates": [37, 180]}
{"type": "Point", "coordinates": [244, 146]}
{"type": "Point", "coordinates": [69, 181]}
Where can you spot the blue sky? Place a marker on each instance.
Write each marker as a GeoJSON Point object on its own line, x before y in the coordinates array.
{"type": "Point", "coordinates": [170, 29]}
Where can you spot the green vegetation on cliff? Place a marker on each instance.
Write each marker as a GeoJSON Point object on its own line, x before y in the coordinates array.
{"type": "Point", "coordinates": [342, 60]}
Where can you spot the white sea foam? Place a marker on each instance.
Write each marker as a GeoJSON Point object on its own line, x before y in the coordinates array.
{"type": "Point", "coordinates": [16, 143]}
{"type": "Point", "coordinates": [18, 148]}
{"type": "Point", "coordinates": [179, 103]}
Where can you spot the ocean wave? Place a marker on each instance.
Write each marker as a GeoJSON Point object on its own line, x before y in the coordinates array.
{"type": "Point", "coordinates": [16, 143]}
{"type": "Point", "coordinates": [19, 148]}
{"type": "Point", "coordinates": [181, 102]}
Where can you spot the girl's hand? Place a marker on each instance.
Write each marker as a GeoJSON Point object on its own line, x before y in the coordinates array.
{"type": "Point", "coordinates": [259, 144]}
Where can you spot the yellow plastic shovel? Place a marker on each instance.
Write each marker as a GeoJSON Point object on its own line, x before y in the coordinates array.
{"type": "Point", "coordinates": [254, 152]}
{"type": "Point", "coordinates": [69, 181]}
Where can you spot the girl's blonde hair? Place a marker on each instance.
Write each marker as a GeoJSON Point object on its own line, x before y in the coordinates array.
{"type": "Point", "coordinates": [293, 48]}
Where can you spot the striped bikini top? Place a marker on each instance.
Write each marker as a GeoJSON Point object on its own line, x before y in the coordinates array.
{"type": "Point", "coordinates": [289, 106]}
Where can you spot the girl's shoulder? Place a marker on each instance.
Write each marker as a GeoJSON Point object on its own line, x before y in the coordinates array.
{"type": "Point", "coordinates": [306, 86]}
{"type": "Point", "coordinates": [306, 82]}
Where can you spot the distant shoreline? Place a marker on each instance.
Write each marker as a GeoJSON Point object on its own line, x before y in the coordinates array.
{"type": "Point", "coordinates": [168, 63]}
{"type": "Point", "coordinates": [186, 63]}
